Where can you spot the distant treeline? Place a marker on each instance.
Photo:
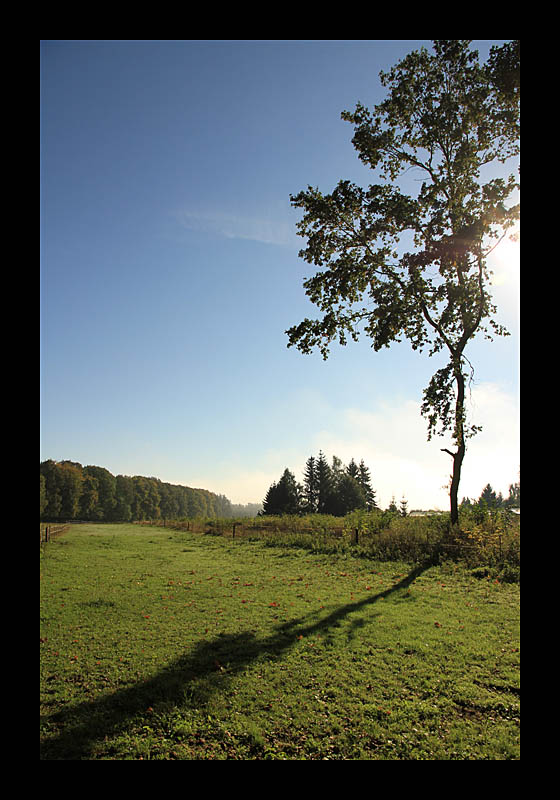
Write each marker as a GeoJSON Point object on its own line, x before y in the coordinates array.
{"type": "Point", "coordinates": [71, 491]}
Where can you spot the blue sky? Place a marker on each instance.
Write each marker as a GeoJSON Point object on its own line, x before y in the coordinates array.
{"type": "Point", "coordinates": [170, 272]}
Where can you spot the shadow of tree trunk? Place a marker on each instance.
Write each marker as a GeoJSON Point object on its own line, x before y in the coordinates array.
{"type": "Point", "coordinates": [215, 662]}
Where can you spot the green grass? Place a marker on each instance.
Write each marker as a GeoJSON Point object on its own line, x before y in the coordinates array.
{"type": "Point", "coordinates": [167, 645]}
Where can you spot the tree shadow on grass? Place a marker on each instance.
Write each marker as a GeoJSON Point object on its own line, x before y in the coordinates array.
{"type": "Point", "coordinates": [194, 678]}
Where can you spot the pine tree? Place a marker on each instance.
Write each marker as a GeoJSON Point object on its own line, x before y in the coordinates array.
{"type": "Point", "coordinates": [337, 469]}
{"type": "Point", "coordinates": [283, 497]}
{"type": "Point", "coordinates": [348, 496]}
{"type": "Point", "coordinates": [290, 497]}
{"type": "Point", "coordinates": [270, 502]}
{"type": "Point", "coordinates": [310, 487]}
{"type": "Point", "coordinates": [364, 479]}
{"type": "Point", "coordinates": [489, 497]}
{"type": "Point", "coordinates": [403, 508]}
{"type": "Point", "coordinates": [324, 485]}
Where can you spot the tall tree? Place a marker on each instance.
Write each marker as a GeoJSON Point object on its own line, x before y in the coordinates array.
{"type": "Point", "coordinates": [271, 505]}
{"type": "Point", "coordinates": [53, 489]}
{"type": "Point", "coordinates": [290, 493]}
{"type": "Point", "coordinates": [43, 500]}
{"type": "Point", "coordinates": [337, 469]}
{"type": "Point", "coordinates": [364, 479]}
{"type": "Point", "coordinates": [89, 500]}
{"type": "Point", "coordinates": [146, 498]}
{"type": "Point", "coordinates": [489, 497]}
{"type": "Point", "coordinates": [324, 484]}
{"type": "Point", "coordinates": [403, 507]}
{"type": "Point", "coordinates": [124, 490]}
{"type": "Point", "coordinates": [167, 501]}
{"type": "Point", "coordinates": [310, 486]}
{"type": "Point", "coordinates": [107, 488]}
{"type": "Point", "coordinates": [452, 120]}
{"type": "Point", "coordinates": [283, 497]}
{"type": "Point", "coordinates": [347, 496]}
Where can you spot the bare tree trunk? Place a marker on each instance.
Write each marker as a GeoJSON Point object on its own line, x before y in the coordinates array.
{"type": "Point", "coordinates": [460, 440]}
{"type": "Point", "coordinates": [455, 478]}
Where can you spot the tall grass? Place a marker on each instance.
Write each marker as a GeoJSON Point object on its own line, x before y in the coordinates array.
{"type": "Point", "coordinates": [487, 540]}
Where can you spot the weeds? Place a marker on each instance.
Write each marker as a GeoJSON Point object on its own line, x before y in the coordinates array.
{"type": "Point", "coordinates": [483, 537]}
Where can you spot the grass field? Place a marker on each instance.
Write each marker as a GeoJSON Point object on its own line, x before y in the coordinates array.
{"type": "Point", "coordinates": [167, 645]}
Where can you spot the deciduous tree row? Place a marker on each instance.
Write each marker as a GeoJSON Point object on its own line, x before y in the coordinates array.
{"type": "Point", "coordinates": [71, 491]}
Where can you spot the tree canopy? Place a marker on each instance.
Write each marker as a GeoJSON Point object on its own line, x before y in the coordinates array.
{"type": "Point", "coordinates": [70, 491]}
{"type": "Point", "coordinates": [393, 266]}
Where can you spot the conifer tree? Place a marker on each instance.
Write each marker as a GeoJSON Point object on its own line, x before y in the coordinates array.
{"type": "Point", "coordinates": [283, 497]}
{"type": "Point", "coordinates": [270, 502]}
{"type": "Point", "coordinates": [348, 496]}
{"type": "Point", "coordinates": [489, 497]}
{"type": "Point", "coordinates": [324, 484]}
{"type": "Point", "coordinates": [364, 479]}
{"type": "Point", "coordinates": [310, 486]}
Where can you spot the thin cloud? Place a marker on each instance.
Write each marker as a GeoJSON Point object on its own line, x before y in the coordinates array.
{"type": "Point", "coordinates": [232, 226]}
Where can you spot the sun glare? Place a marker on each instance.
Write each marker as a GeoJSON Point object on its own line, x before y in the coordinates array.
{"type": "Point", "coordinates": [505, 262]}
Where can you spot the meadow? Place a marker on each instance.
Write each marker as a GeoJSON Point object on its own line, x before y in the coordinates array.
{"type": "Point", "coordinates": [169, 644]}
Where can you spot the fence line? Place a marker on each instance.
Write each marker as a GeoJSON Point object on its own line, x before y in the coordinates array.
{"type": "Point", "coordinates": [238, 529]}
{"type": "Point", "coordinates": [354, 535]}
{"type": "Point", "coordinates": [48, 531]}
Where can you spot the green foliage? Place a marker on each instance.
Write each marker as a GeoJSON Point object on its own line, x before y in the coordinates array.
{"type": "Point", "coordinates": [327, 489]}
{"type": "Point", "coordinates": [310, 492]}
{"type": "Point", "coordinates": [283, 497]}
{"type": "Point", "coordinates": [43, 494]}
{"type": "Point", "coordinates": [490, 498]}
{"type": "Point", "coordinates": [70, 491]}
{"type": "Point", "coordinates": [348, 496]}
{"type": "Point", "coordinates": [106, 493]}
{"type": "Point", "coordinates": [364, 479]}
{"type": "Point", "coordinates": [453, 121]}
{"type": "Point", "coordinates": [489, 538]}
{"type": "Point", "coordinates": [90, 506]}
